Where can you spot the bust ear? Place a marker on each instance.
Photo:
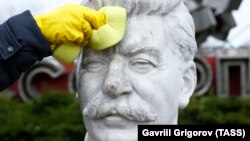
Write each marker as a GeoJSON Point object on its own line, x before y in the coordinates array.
{"type": "Point", "coordinates": [188, 85]}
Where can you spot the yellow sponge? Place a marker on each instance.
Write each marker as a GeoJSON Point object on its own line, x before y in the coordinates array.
{"type": "Point", "coordinates": [113, 31]}
{"type": "Point", "coordinates": [104, 37]}
{"type": "Point", "coordinates": [66, 52]}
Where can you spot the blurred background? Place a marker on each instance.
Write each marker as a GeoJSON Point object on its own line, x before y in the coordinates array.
{"type": "Point", "coordinates": [41, 105]}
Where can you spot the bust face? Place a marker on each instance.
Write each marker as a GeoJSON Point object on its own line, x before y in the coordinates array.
{"type": "Point", "coordinates": [138, 81]}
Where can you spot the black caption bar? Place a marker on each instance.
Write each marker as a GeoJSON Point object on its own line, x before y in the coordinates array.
{"type": "Point", "coordinates": [190, 132]}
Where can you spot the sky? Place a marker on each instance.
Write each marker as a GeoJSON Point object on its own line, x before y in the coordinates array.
{"type": "Point", "coordinates": [9, 8]}
{"type": "Point", "coordinates": [238, 36]}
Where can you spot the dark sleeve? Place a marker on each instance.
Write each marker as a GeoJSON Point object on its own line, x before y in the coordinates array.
{"type": "Point", "coordinates": [21, 45]}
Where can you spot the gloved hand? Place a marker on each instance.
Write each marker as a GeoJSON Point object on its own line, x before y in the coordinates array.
{"type": "Point", "coordinates": [71, 23]}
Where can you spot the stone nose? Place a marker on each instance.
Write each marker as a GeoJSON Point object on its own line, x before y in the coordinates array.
{"type": "Point", "coordinates": [112, 88]}
{"type": "Point", "coordinates": [116, 83]}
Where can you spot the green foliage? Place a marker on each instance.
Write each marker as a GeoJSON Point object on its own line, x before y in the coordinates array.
{"type": "Point", "coordinates": [213, 110]}
{"type": "Point", "coordinates": [57, 116]}
{"type": "Point", "coordinates": [53, 116]}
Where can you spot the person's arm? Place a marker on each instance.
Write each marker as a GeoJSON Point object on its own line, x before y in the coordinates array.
{"type": "Point", "coordinates": [27, 38]}
{"type": "Point", "coordinates": [21, 45]}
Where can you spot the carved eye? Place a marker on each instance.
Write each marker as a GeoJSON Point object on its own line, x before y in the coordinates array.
{"type": "Point", "coordinates": [94, 65]}
{"type": "Point", "coordinates": [142, 65]}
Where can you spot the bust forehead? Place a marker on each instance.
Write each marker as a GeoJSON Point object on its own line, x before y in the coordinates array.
{"type": "Point", "coordinates": [143, 32]}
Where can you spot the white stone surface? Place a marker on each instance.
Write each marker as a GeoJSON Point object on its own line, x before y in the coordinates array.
{"type": "Point", "coordinates": [145, 78]}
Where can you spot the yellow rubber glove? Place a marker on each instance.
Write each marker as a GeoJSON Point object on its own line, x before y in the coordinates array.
{"type": "Point", "coordinates": [108, 27]}
{"type": "Point", "coordinates": [71, 23]}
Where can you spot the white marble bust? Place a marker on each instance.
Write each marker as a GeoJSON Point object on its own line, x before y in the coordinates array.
{"type": "Point", "coordinates": [145, 78]}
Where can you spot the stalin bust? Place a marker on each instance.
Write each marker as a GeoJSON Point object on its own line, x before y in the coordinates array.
{"type": "Point", "coordinates": [143, 79]}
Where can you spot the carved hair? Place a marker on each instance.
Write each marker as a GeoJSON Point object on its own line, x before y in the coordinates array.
{"type": "Point", "coordinates": [136, 7]}
{"type": "Point", "coordinates": [182, 29]}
